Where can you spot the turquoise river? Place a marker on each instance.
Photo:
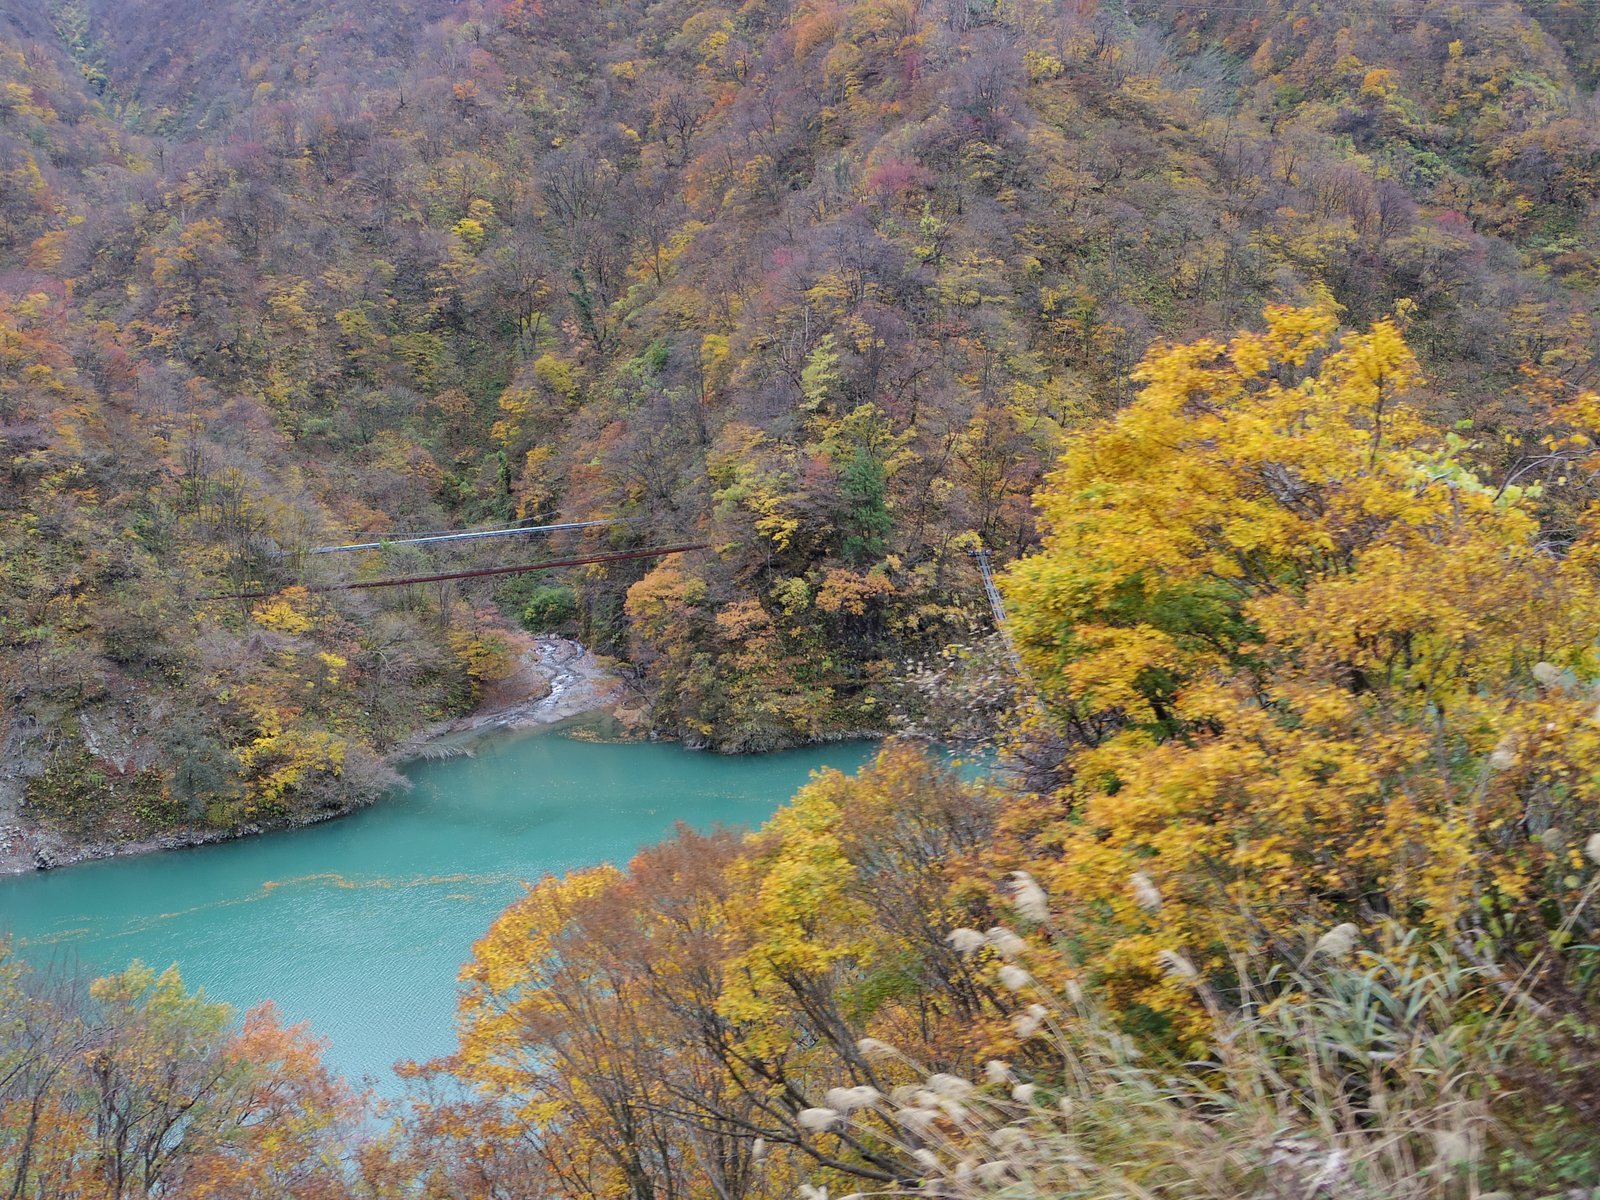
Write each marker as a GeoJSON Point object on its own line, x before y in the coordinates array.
{"type": "Point", "coordinates": [359, 925]}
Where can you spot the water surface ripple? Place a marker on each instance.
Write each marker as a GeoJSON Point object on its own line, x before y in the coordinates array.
{"type": "Point", "coordinates": [359, 925]}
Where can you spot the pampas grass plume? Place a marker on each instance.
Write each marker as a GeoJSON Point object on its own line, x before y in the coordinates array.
{"type": "Point", "coordinates": [1145, 893]}
{"type": "Point", "coordinates": [1178, 967]}
{"type": "Point", "coordinates": [950, 1086]}
{"type": "Point", "coordinates": [873, 1048]}
{"type": "Point", "coordinates": [1028, 897]}
{"type": "Point", "coordinates": [1027, 1023]}
{"type": "Point", "coordinates": [1014, 977]}
{"type": "Point", "coordinates": [964, 941]}
{"type": "Point", "coordinates": [1337, 942]}
{"type": "Point", "coordinates": [1006, 943]}
{"type": "Point", "coordinates": [847, 1100]}
{"type": "Point", "coordinates": [818, 1119]}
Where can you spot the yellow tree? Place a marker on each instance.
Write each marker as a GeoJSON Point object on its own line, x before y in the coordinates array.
{"type": "Point", "coordinates": [1319, 669]}
{"type": "Point", "coordinates": [551, 1037]}
{"type": "Point", "coordinates": [687, 1027]}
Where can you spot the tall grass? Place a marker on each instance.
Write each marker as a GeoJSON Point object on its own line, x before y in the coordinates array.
{"type": "Point", "coordinates": [1401, 1071]}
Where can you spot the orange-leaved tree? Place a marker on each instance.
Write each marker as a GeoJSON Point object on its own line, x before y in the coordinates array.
{"type": "Point", "coordinates": [693, 1027]}
{"type": "Point", "coordinates": [134, 1087]}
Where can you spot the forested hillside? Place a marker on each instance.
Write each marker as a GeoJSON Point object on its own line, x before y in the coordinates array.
{"type": "Point", "coordinates": [1310, 911]}
{"type": "Point", "coordinates": [826, 286]}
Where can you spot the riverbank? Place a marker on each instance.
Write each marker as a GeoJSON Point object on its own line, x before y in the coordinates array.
{"type": "Point", "coordinates": [555, 679]}
{"type": "Point", "coordinates": [360, 925]}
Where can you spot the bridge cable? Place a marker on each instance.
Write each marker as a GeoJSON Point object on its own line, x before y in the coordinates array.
{"type": "Point", "coordinates": [480, 572]}
{"type": "Point", "coordinates": [458, 536]}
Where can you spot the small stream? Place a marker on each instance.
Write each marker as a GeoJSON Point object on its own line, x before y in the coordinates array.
{"type": "Point", "coordinates": [360, 925]}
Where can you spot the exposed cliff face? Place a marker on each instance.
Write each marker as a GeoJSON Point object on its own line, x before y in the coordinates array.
{"type": "Point", "coordinates": [22, 758]}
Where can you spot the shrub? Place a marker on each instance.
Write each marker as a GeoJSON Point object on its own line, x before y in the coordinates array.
{"type": "Point", "coordinates": [549, 608]}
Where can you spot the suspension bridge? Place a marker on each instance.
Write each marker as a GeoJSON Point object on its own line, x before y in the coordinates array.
{"type": "Point", "coordinates": [461, 535]}
{"type": "Point", "coordinates": [997, 606]}
{"type": "Point", "coordinates": [980, 556]}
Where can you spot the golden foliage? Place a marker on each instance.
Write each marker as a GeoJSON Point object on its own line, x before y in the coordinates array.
{"type": "Point", "coordinates": [1335, 672]}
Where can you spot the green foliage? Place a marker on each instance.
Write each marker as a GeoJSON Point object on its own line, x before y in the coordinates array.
{"type": "Point", "coordinates": [72, 791]}
{"type": "Point", "coordinates": [865, 520]}
{"type": "Point", "coordinates": [82, 794]}
{"type": "Point", "coordinates": [820, 380]}
{"type": "Point", "coordinates": [549, 608]}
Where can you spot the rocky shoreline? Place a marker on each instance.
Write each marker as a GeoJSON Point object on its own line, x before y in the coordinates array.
{"type": "Point", "coordinates": [555, 680]}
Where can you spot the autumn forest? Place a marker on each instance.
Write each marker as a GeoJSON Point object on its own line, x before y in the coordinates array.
{"type": "Point", "coordinates": [1253, 345]}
